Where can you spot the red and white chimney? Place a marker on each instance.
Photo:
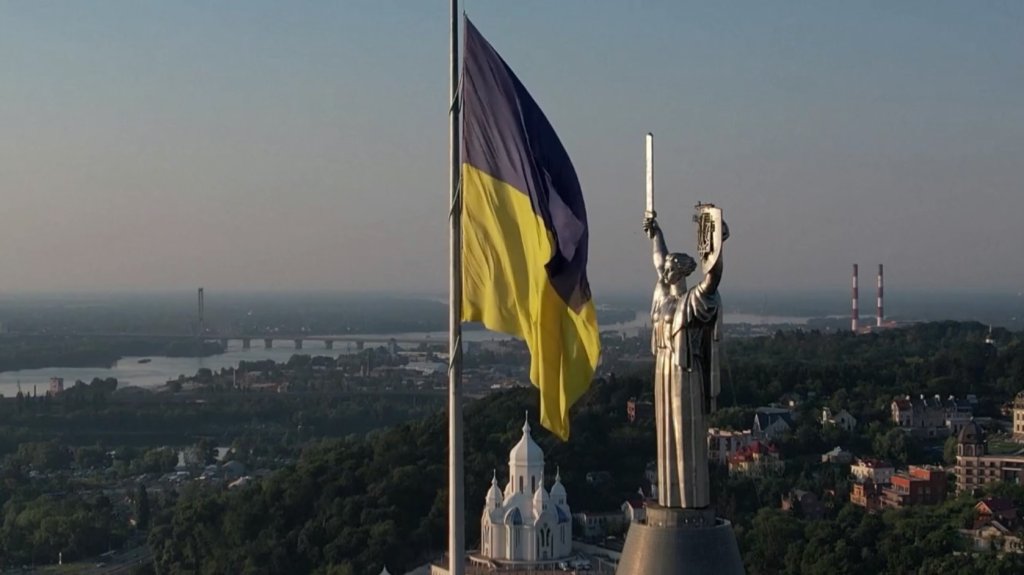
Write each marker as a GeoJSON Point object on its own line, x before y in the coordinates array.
{"type": "Point", "coordinates": [881, 309]}
{"type": "Point", "coordinates": [854, 313]}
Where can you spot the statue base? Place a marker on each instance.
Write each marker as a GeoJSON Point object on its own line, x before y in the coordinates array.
{"type": "Point", "coordinates": [675, 541]}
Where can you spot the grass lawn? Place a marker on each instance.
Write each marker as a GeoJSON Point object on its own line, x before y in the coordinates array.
{"type": "Point", "coordinates": [1003, 447]}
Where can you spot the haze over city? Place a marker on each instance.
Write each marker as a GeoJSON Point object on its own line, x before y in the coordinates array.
{"type": "Point", "coordinates": [273, 146]}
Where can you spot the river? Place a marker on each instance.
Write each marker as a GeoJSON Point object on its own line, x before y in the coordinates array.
{"type": "Point", "coordinates": [129, 372]}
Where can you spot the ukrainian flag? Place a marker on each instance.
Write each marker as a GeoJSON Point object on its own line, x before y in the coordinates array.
{"type": "Point", "coordinates": [524, 230]}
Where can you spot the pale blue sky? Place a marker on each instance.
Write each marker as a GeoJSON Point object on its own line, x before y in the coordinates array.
{"type": "Point", "coordinates": [303, 145]}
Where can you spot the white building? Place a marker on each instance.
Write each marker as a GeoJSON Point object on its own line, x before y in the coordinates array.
{"type": "Point", "coordinates": [525, 523]}
{"type": "Point", "coordinates": [843, 420]}
{"type": "Point", "coordinates": [879, 472]}
{"type": "Point", "coordinates": [723, 443]}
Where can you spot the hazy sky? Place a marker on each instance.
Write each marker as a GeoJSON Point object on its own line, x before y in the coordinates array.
{"type": "Point", "coordinates": [303, 145]}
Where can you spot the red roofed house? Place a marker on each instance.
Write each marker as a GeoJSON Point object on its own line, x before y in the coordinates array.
{"type": "Point", "coordinates": [756, 460]}
{"type": "Point", "coordinates": [994, 527]}
{"type": "Point", "coordinates": [995, 509]}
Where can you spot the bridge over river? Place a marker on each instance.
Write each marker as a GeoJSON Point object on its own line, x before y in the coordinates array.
{"type": "Point", "coordinates": [268, 339]}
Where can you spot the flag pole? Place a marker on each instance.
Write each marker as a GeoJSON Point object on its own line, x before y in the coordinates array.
{"type": "Point", "coordinates": [456, 527]}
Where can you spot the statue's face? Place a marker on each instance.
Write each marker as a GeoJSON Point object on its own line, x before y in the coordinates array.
{"type": "Point", "coordinates": [677, 267]}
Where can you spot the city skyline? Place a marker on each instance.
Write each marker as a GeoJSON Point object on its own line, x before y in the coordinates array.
{"type": "Point", "coordinates": [278, 147]}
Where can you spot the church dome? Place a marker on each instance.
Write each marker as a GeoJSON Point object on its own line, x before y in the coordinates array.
{"type": "Point", "coordinates": [558, 490]}
{"type": "Point", "coordinates": [526, 452]}
{"type": "Point", "coordinates": [540, 499]}
{"type": "Point", "coordinates": [494, 496]}
{"type": "Point", "coordinates": [971, 434]}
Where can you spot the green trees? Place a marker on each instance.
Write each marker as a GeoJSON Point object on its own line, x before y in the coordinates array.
{"type": "Point", "coordinates": [920, 540]}
{"type": "Point", "coordinates": [142, 511]}
{"type": "Point", "coordinates": [348, 505]}
{"type": "Point", "coordinates": [933, 358]}
{"type": "Point", "coordinates": [42, 456]}
{"type": "Point", "coordinates": [40, 529]}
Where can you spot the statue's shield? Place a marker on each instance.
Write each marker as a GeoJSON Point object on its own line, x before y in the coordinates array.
{"type": "Point", "coordinates": [709, 235]}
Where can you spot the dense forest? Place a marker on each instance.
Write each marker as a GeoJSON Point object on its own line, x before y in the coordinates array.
{"type": "Point", "coordinates": [348, 504]}
{"type": "Point", "coordinates": [94, 413]}
{"type": "Point", "coordinates": [65, 459]}
{"type": "Point", "coordinates": [863, 372]}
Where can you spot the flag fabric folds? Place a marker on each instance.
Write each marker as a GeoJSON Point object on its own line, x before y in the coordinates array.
{"type": "Point", "coordinates": [524, 232]}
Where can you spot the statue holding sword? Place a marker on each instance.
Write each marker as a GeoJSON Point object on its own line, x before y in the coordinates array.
{"type": "Point", "coordinates": [686, 326]}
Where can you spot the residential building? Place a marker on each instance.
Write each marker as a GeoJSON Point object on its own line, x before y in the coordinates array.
{"type": "Point", "coordinates": [595, 526]}
{"type": "Point", "coordinates": [878, 471]}
{"type": "Point", "coordinates": [756, 460]}
{"type": "Point", "coordinates": [651, 475]}
{"type": "Point", "coordinates": [919, 485]}
{"type": "Point", "coordinates": [1018, 417]}
{"type": "Point", "coordinates": [995, 527]}
{"type": "Point", "coordinates": [843, 420]}
{"type": "Point", "coordinates": [995, 509]}
{"type": "Point", "coordinates": [958, 414]}
{"type": "Point", "coordinates": [838, 455]}
{"type": "Point", "coordinates": [996, 537]}
{"type": "Point", "coordinates": [232, 470]}
{"type": "Point", "coordinates": [723, 443]}
{"type": "Point", "coordinates": [806, 504]}
{"type": "Point", "coordinates": [791, 400]}
{"type": "Point", "coordinates": [772, 422]}
{"type": "Point", "coordinates": [635, 509]}
{"type": "Point", "coordinates": [931, 416]}
{"type": "Point", "coordinates": [56, 385]}
{"type": "Point", "coordinates": [975, 467]}
{"type": "Point", "coordinates": [867, 494]}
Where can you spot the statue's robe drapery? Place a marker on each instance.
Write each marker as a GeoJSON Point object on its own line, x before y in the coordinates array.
{"type": "Point", "coordinates": [685, 344]}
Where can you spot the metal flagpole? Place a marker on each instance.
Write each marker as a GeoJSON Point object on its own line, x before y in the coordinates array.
{"type": "Point", "coordinates": [456, 527]}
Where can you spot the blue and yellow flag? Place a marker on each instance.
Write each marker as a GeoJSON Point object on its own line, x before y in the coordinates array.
{"type": "Point", "coordinates": [524, 230]}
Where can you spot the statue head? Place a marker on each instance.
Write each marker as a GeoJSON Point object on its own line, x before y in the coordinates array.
{"type": "Point", "coordinates": [676, 267]}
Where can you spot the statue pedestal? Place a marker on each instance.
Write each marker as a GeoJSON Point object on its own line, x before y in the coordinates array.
{"type": "Point", "coordinates": [677, 541]}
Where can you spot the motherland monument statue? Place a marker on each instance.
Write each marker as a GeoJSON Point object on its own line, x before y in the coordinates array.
{"type": "Point", "coordinates": [681, 534]}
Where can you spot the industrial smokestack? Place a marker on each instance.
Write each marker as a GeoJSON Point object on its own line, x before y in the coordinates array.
{"type": "Point", "coordinates": [854, 313]}
{"type": "Point", "coordinates": [202, 312]}
{"type": "Point", "coordinates": [881, 309]}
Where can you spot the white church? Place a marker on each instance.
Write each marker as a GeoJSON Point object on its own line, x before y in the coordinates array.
{"type": "Point", "coordinates": [525, 523]}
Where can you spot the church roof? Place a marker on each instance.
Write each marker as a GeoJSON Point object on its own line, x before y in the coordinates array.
{"type": "Point", "coordinates": [526, 452]}
{"type": "Point", "coordinates": [513, 516]}
{"type": "Point", "coordinates": [562, 514]}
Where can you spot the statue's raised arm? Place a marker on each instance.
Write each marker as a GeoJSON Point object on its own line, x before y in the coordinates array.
{"type": "Point", "coordinates": [660, 251]}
